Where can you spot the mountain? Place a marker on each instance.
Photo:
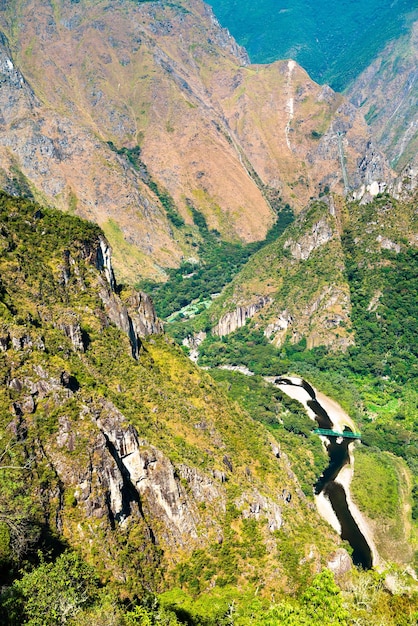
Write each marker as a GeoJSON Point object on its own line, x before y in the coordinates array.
{"type": "Point", "coordinates": [300, 285]}
{"type": "Point", "coordinates": [113, 443]}
{"type": "Point", "coordinates": [333, 42]}
{"type": "Point", "coordinates": [134, 115]}
{"type": "Point", "coordinates": [387, 93]}
{"type": "Point", "coordinates": [133, 487]}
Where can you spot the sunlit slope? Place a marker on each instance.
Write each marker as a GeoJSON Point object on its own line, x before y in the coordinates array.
{"type": "Point", "coordinates": [141, 464]}
{"type": "Point", "coordinates": [387, 94]}
{"type": "Point", "coordinates": [336, 255]}
{"type": "Point", "coordinates": [134, 115]}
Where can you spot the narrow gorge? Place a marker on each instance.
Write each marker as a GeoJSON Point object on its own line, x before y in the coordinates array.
{"type": "Point", "coordinates": [332, 487]}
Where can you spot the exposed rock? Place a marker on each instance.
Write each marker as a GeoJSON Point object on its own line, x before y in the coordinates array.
{"type": "Point", "coordinates": [22, 340]}
{"type": "Point", "coordinates": [320, 234]}
{"type": "Point", "coordinates": [65, 437]}
{"type": "Point", "coordinates": [144, 318]}
{"type": "Point", "coordinates": [47, 384]}
{"type": "Point", "coordinates": [286, 495]}
{"type": "Point", "coordinates": [236, 319]}
{"type": "Point", "coordinates": [237, 368]}
{"type": "Point", "coordinates": [4, 340]}
{"type": "Point", "coordinates": [340, 562]}
{"type": "Point", "coordinates": [407, 181]}
{"type": "Point", "coordinates": [152, 476]}
{"type": "Point", "coordinates": [65, 268]}
{"type": "Point", "coordinates": [137, 318]}
{"type": "Point", "coordinates": [279, 327]}
{"type": "Point", "coordinates": [70, 326]}
{"type": "Point", "coordinates": [27, 405]}
{"type": "Point", "coordinates": [16, 384]}
{"type": "Point", "coordinates": [202, 487]}
{"type": "Point", "coordinates": [19, 428]}
{"type": "Point", "coordinates": [104, 262]}
{"type": "Point", "coordinates": [225, 40]}
{"type": "Point", "coordinates": [256, 506]}
{"type": "Point", "coordinates": [387, 244]}
{"type": "Point", "coordinates": [221, 476]}
{"type": "Point", "coordinates": [227, 462]}
{"type": "Point", "coordinates": [118, 314]}
{"type": "Point", "coordinates": [193, 342]}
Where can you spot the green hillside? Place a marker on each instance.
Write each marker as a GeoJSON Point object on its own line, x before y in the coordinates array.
{"type": "Point", "coordinates": [334, 42]}
{"type": "Point", "coordinates": [346, 280]}
{"type": "Point", "coordinates": [81, 541]}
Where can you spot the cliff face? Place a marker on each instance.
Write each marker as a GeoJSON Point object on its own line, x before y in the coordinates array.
{"type": "Point", "coordinates": [125, 449]}
{"type": "Point", "coordinates": [298, 287]}
{"type": "Point", "coordinates": [300, 282]}
{"type": "Point", "coordinates": [132, 114]}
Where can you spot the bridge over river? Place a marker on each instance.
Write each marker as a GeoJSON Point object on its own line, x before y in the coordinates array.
{"type": "Point", "coordinates": [334, 433]}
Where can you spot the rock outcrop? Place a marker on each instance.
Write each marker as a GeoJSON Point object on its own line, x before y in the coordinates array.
{"type": "Point", "coordinates": [302, 276]}
{"type": "Point", "coordinates": [236, 319]}
{"type": "Point", "coordinates": [142, 312]}
{"type": "Point", "coordinates": [320, 234]}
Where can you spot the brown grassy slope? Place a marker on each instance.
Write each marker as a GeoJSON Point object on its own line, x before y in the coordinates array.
{"type": "Point", "coordinates": [212, 129]}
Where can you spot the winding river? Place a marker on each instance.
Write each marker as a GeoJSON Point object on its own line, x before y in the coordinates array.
{"type": "Point", "coordinates": [328, 486]}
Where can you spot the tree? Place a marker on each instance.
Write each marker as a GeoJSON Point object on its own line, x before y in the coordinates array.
{"type": "Point", "coordinates": [53, 593]}
{"type": "Point", "coordinates": [320, 605]}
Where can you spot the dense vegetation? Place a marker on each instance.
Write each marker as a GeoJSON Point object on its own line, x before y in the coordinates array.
{"type": "Point", "coordinates": [386, 333]}
{"type": "Point", "coordinates": [112, 575]}
{"type": "Point", "coordinates": [321, 36]}
{"type": "Point", "coordinates": [49, 283]}
{"type": "Point", "coordinates": [219, 262]}
{"type": "Point", "coordinates": [284, 417]}
{"type": "Point", "coordinates": [375, 378]}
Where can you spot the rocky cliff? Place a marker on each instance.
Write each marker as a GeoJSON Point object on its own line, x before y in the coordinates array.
{"type": "Point", "coordinates": [131, 115]}
{"type": "Point", "coordinates": [299, 286]}
{"type": "Point", "coordinates": [300, 281]}
{"type": "Point", "coordinates": [124, 449]}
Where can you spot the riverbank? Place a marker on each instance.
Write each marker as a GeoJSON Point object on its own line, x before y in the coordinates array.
{"type": "Point", "coordinates": [297, 389]}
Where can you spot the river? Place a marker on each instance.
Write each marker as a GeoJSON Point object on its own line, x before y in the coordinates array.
{"type": "Point", "coordinates": [328, 485]}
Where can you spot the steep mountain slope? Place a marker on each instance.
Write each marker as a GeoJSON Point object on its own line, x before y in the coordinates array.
{"type": "Point", "coordinates": [131, 114]}
{"type": "Point", "coordinates": [294, 288]}
{"type": "Point", "coordinates": [114, 442]}
{"type": "Point", "coordinates": [333, 42]}
{"type": "Point", "coordinates": [387, 93]}
{"type": "Point", "coordinates": [334, 299]}
{"type": "Point", "coordinates": [301, 287]}
{"type": "Point", "coordinates": [116, 445]}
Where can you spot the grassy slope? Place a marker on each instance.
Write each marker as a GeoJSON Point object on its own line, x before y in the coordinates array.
{"type": "Point", "coordinates": [375, 379]}
{"type": "Point", "coordinates": [164, 396]}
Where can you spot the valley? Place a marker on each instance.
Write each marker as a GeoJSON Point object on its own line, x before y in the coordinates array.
{"type": "Point", "coordinates": [201, 255]}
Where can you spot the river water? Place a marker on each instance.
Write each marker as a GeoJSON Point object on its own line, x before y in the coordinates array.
{"type": "Point", "coordinates": [327, 483]}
